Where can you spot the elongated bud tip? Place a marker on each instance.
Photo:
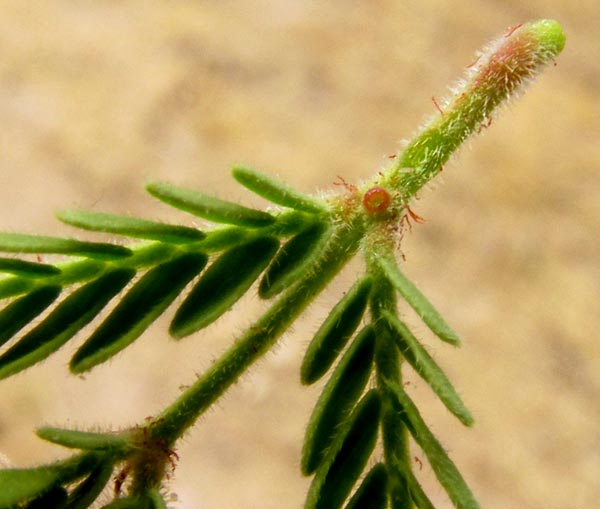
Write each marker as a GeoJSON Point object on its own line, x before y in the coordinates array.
{"type": "Point", "coordinates": [499, 72]}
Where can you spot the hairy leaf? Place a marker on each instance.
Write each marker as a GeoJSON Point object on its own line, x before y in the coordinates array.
{"type": "Point", "coordinates": [292, 260]}
{"type": "Point", "coordinates": [336, 477]}
{"type": "Point", "coordinates": [84, 495]}
{"type": "Point", "coordinates": [86, 440]}
{"type": "Point", "coordinates": [372, 492]}
{"type": "Point", "coordinates": [20, 312]}
{"type": "Point", "coordinates": [400, 470]}
{"type": "Point", "coordinates": [82, 270]}
{"type": "Point", "coordinates": [22, 243]}
{"type": "Point", "coordinates": [27, 269]}
{"type": "Point", "coordinates": [337, 399]}
{"type": "Point", "coordinates": [140, 306]}
{"type": "Point", "coordinates": [70, 316]}
{"type": "Point", "coordinates": [445, 470]}
{"type": "Point", "coordinates": [222, 284]}
{"type": "Point", "coordinates": [275, 191]}
{"type": "Point", "coordinates": [417, 494]}
{"type": "Point", "coordinates": [130, 226]}
{"type": "Point", "coordinates": [207, 207]}
{"type": "Point", "coordinates": [426, 367]}
{"type": "Point", "coordinates": [56, 498]}
{"type": "Point", "coordinates": [337, 328]}
{"type": "Point", "coordinates": [11, 286]}
{"type": "Point", "coordinates": [24, 484]}
{"type": "Point", "coordinates": [417, 301]}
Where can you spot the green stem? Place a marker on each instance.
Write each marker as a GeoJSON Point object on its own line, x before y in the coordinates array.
{"type": "Point", "coordinates": [497, 74]}
{"type": "Point", "coordinates": [260, 337]}
{"type": "Point", "coordinates": [387, 365]}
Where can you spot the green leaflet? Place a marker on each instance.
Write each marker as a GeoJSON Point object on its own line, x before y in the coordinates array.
{"type": "Point", "coordinates": [19, 485]}
{"type": "Point", "coordinates": [445, 470]}
{"type": "Point", "coordinates": [292, 260]}
{"type": "Point", "coordinates": [11, 286]}
{"type": "Point", "coordinates": [141, 305]}
{"type": "Point", "coordinates": [87, 492]}
{"type": "Point", "coordinates": [22, 311]}
{"type": "Point", "coordinates": [401, 468]}
{"type": "Point", "coordinates": [337, 328]}
{"type": "Point", "coordinates": [417, 301]}
{"type": "Point", "coordinates": [27, 269]}
{"type": "Point", "coordinates": [130, 226]}
{"type": "Point", "coordinates": [70, 316]}
{"type": "Point", "coordinates": [24, 484]}
{"type": "Point", "coordinates": [275, 191]}
{"type": "Point", "coordinates": [337, 399]}
{"type": "Point", "coordinates": [287, 224]}
{"type": "Point", "coordinates": [22, 243]}
{"type": "Point", "coordinates": [226, 237]}
{"type": "Point", "coordinates": [347, 458]}
{"type": "Point", "coordinates": [56, 498]}
{"type": "Point", "coordinates": [85, 440]}
{"type": "Point", "coordinates": [81, 270]}
{"type": "Point", "coordinates": [417, 494]}
{"type": "Point", "coordinates": [426, 367]}
{"type": "Point", "coordinates": [372, 492]}
{"type": "Point", "coordinates": [222, 284]}
{"type": "Point", "coordinates": [149, 254]}
{"type": "Point", "coordinates": [207, 207]}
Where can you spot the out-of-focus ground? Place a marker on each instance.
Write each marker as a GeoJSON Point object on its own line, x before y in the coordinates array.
{"type": "Point", "coordinates": [97, 97]}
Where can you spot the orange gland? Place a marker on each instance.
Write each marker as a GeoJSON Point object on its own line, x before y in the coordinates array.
{"type": "Point", "coordinates": [376, 200]}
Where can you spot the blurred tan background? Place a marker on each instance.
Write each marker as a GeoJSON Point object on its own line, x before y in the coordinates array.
{"type": "Point", "coordinates": [98, 96]}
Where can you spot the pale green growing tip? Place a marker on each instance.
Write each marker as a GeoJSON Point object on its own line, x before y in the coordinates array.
{"type": "Point", "coordinates": [549, 33]}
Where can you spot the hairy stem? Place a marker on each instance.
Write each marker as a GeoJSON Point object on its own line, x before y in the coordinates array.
{"type": "Point", "coordinates": [260, 337]}
{"type": "Point", "coordinates": [497, 74]}
{"type": "Point", "coordinates": [387, 365]}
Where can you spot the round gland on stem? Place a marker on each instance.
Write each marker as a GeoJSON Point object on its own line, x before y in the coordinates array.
{"type": "Point", "coordinates": [376, 200]}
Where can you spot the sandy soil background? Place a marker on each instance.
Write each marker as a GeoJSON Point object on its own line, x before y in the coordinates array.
{"type": "Point", "coordinates": [96, 97]}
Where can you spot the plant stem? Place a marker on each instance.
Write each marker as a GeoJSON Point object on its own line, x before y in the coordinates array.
{"type": "Point", "coordinates": [387, 365]}
{"type": "Point", "coordinates": [497, 74]}
{"type": "Point", "coordinates": [260, 337]}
